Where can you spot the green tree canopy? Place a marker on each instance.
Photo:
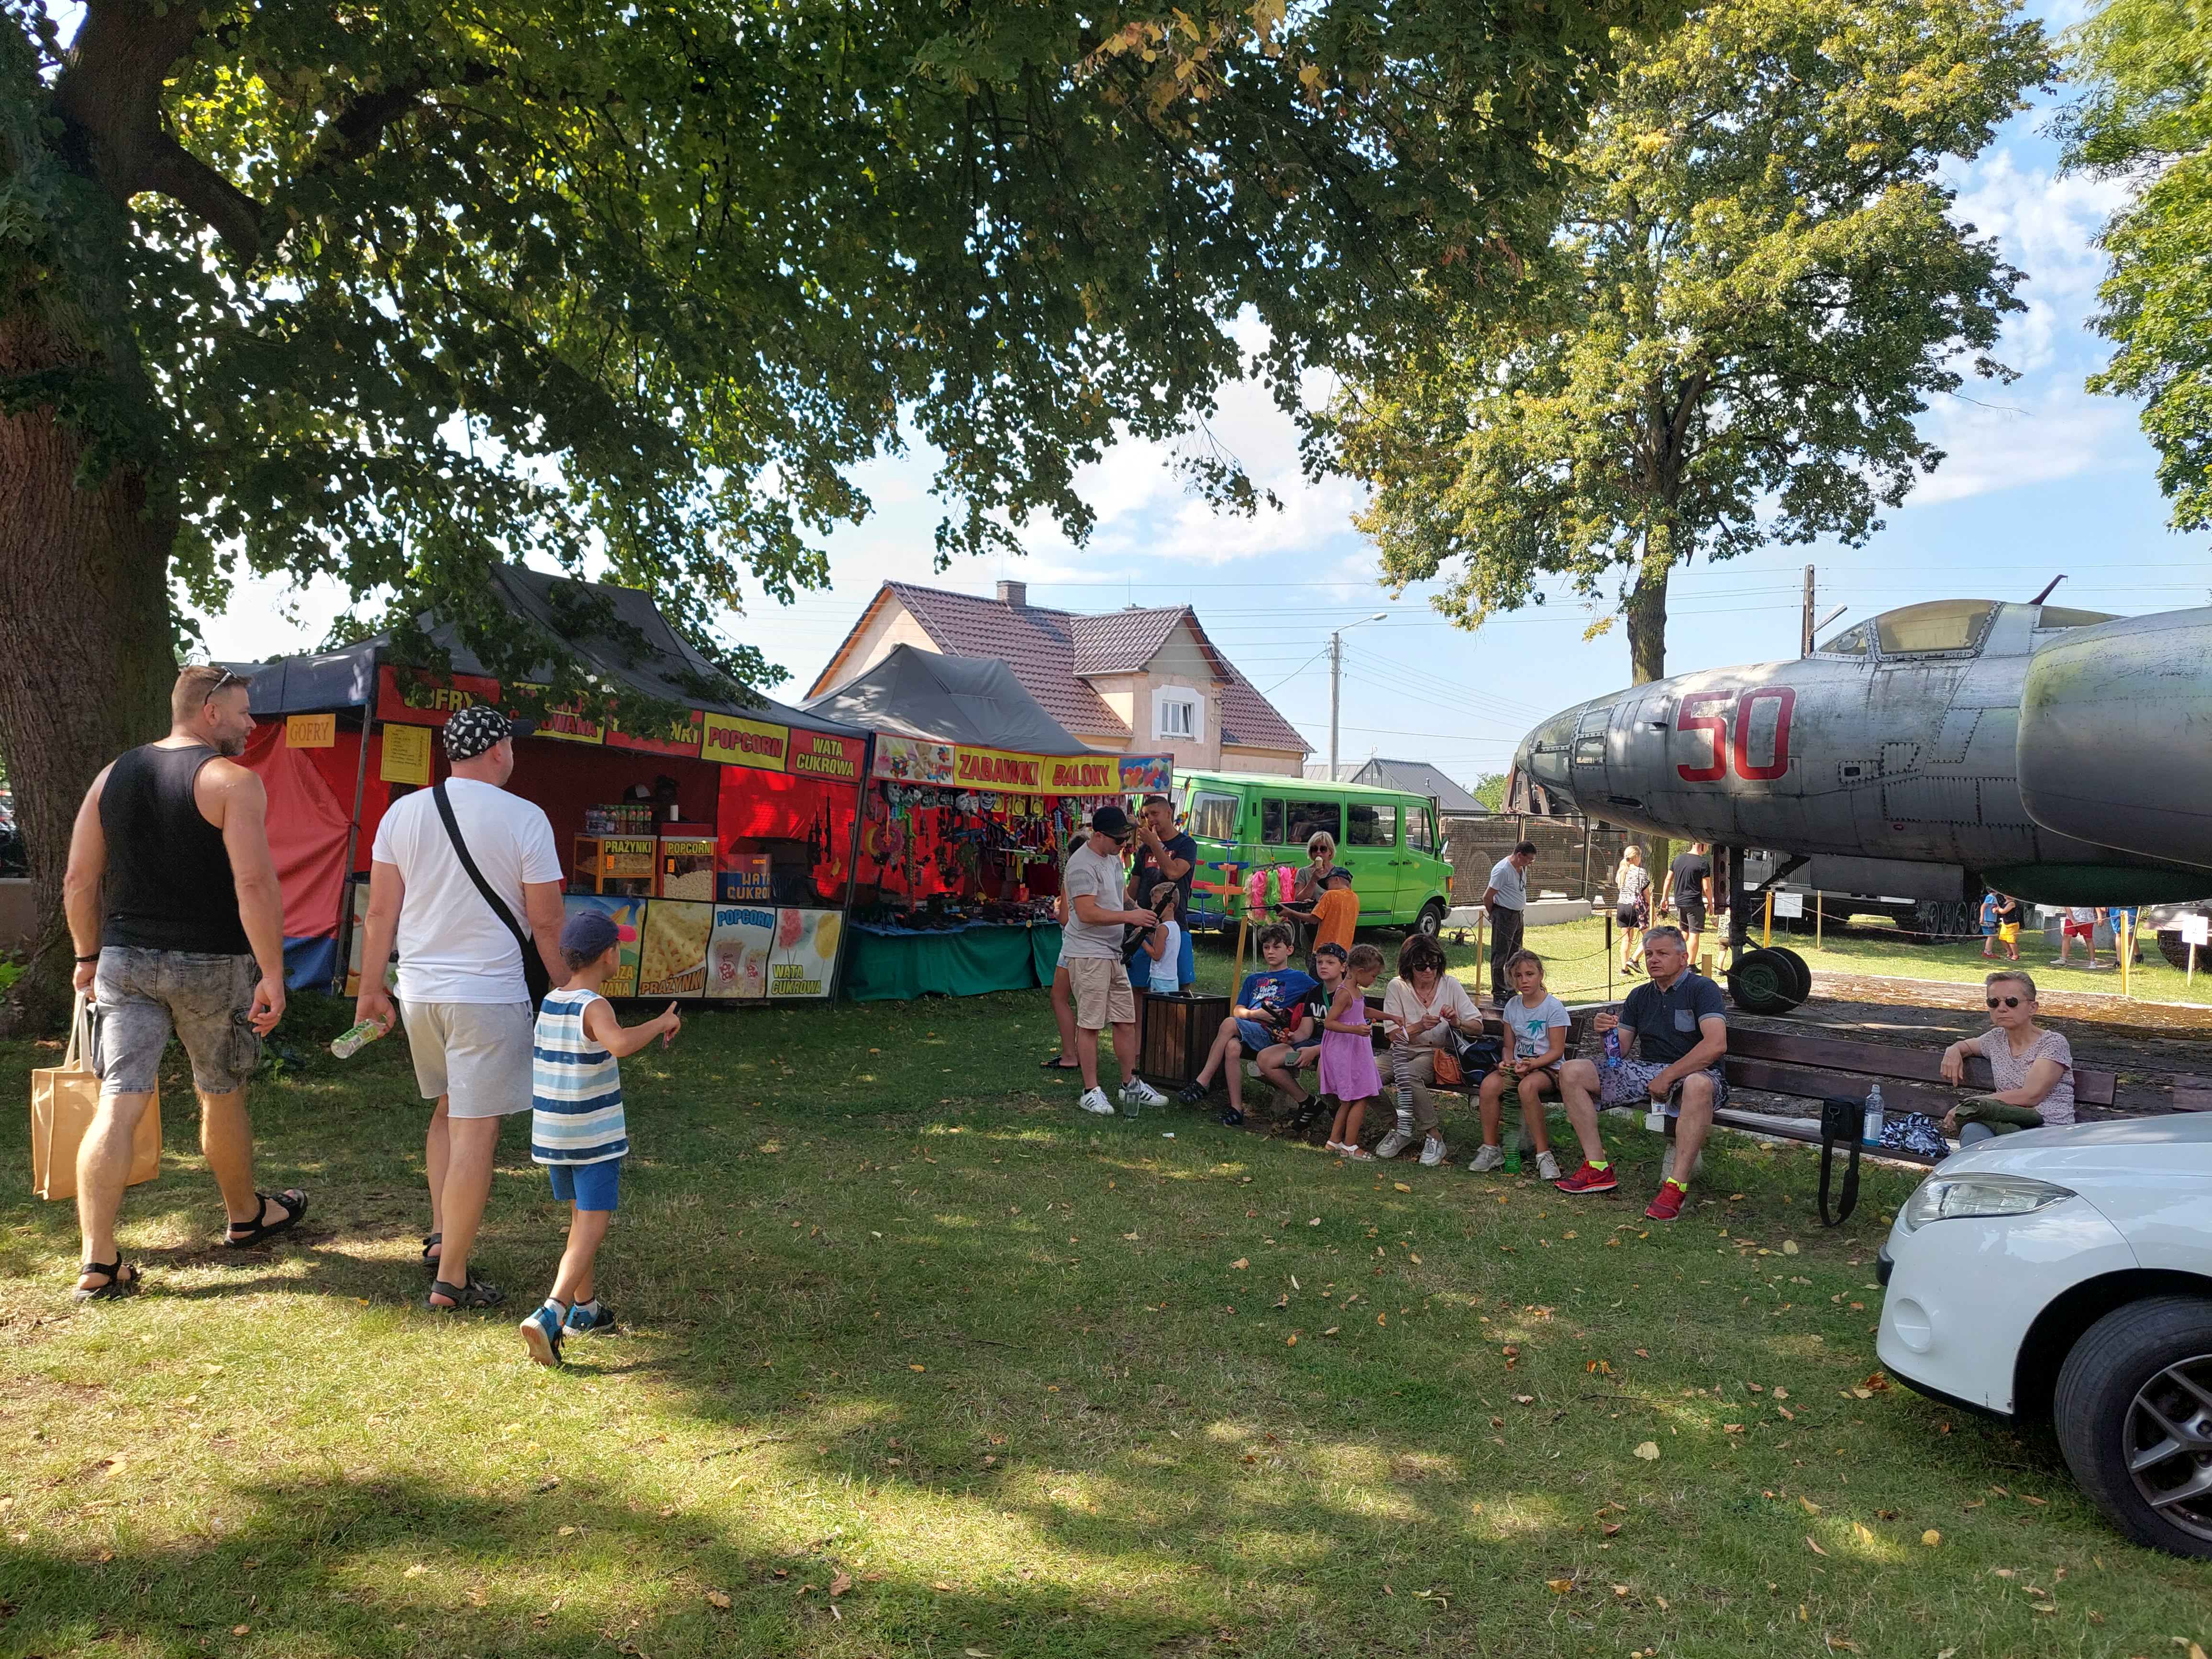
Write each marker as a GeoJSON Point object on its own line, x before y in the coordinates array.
{"type": "Point", "coordinates": [2146, 115]}
{"type": "Point", "coordinates": [385, 292]}
{"type": "Point", "coordinates": [1756, 289]}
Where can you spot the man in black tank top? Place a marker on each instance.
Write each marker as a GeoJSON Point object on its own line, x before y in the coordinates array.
{"type": "Point", "coordinates": [188, 935]}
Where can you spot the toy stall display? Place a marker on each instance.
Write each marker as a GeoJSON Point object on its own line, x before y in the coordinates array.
{"type": "Point", "coordinates": [957, 887]}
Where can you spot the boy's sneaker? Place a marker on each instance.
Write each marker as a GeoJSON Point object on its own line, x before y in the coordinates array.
{"type": "Point", "coordinates": [1489, 1159]}
{"type": "Point", "coordinates": [1668, 1204]}
{"type": "Point", "coordinates": [1589, 1180]}
{"type": "Point", "coordinates": [1191, 1093]}
{"type": "Point", "coordinates": [541, 1334]}
{"type": "Point", "coordinates": [1094, 1100]}
{"type": "Point", "coordinates": [589, 1318]}
{"type": "Point", "coordinates": [1548, 1167]}
{"type": "Point", "coordinates": [1138, 1092]}
{"type": "Point", "coordinates": [1393, 1143]}
{"type": "Point", "coordinates": [1433, 1152]}
{"type": "Point", "coordinates": [1231, 1119]}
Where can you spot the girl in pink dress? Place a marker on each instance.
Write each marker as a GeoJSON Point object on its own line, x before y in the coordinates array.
{"type": "Point", "coordinates": [1347, 1052]}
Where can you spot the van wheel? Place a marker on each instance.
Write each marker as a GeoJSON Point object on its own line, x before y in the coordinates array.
{"type": "Point", "coordinates": [2134, 1415]}
{"type": "Point", "coordinates": [1432, 921]}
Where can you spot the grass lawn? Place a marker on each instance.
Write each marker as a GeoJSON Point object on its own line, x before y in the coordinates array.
{"type": "Point", "coordinates": [919, 1362]}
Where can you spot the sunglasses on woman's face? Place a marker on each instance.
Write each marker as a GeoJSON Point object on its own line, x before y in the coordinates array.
{"type": "Point", "coordinates": [2008, 1002]}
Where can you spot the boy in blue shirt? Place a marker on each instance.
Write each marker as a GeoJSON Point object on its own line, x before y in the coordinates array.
{"type": "Point", "coordinates": [1268, 1008]}
{"type": "Point", "coordinates": [576, 1126]}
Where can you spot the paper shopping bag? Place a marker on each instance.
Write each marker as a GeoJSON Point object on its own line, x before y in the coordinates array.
{"type": "Point", "coordinates": [64, 1099]}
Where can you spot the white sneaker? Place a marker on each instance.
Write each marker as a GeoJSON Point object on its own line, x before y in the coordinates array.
{"type": "Point", "coordinates": [1548, 1167]}
{"type": "Point", "coordinates": [1489, 1159]}
{"type": "Point", "coordinates": [1138, 1092]}
{"type": "Point", "coordinates": [1094, 1100]}
{"type": "Point", "coordinates": [1433, 1152]}
{"type": "Point", "coordinates": [1393, 1143]}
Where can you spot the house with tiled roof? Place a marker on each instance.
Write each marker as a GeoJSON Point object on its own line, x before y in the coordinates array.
{"type": "Point", "coordinates": [1145, 680]}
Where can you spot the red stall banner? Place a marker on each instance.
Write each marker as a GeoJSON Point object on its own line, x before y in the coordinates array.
{"type": "Point", "coordinates": [822, 755]}
{"type": "Point", "coordinates": [674, 737]}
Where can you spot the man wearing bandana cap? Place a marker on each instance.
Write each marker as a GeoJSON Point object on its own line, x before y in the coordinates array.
{"type": "Point", "coordinates": [462, 992]}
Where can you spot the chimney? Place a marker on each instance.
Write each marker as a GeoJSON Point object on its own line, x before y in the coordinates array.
{"type": "Point", "coordinates": [1014, 594]}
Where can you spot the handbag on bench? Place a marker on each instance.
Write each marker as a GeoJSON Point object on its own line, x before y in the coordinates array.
{"type": "Point", "coordinates": [1841, 1120]}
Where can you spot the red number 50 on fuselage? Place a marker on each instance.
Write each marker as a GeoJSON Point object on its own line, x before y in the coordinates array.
{"type": "Point", "coordinates": [1716, 726]}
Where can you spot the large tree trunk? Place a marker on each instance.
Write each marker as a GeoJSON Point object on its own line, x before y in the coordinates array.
{"type": "Point", "coordinates": [1647, 626]}
{"type": "Point", "coordinates": [86, 662]}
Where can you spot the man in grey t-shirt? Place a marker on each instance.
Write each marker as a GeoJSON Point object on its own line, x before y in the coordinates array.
{"type": "Point", "coordinates": [1091, 946]}
{"type": "Point", "coordinates": [1507, 898]}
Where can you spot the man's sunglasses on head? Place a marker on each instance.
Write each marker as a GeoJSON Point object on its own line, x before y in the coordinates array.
{"type": "Point", "coordinates": [228, 680]}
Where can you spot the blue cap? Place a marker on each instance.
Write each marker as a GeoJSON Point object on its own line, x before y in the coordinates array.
{"type": "Point", "coordinates": [589, 933]}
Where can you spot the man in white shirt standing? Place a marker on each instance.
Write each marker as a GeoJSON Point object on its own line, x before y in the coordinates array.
{"type": "Point", "coordinates": [462, 990]}
{"type": "Point", "coordinates": [1506, 899]}
{"type": "Point", "coordinates": [1090, 946]}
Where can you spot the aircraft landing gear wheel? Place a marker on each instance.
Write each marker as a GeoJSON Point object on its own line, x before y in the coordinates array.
{"type": "Point", "coordinates": [1765, 982]}
{"type": "Point", "coordinates": [1798, 968]}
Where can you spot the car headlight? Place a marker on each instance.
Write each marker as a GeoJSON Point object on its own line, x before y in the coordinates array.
{"type": "Point", "coordinates": [1941, 1198]}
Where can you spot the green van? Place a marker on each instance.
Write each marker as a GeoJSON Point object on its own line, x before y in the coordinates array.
{"type": "Point", "coordinates": [1390, 841]}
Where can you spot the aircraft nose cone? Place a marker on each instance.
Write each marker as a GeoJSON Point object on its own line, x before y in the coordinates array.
{"type": "Point", "coordinates": [1545, 754]}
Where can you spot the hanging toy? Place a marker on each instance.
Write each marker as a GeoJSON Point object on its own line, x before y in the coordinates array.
{"type": "Point", "coordinates": [1285, 880]}
{"type": "Point", "coordinates": [1255, 891]}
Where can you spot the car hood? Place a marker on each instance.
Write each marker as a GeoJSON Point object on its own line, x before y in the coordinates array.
{"type": "Point", "coordinates": [2124, 1148]}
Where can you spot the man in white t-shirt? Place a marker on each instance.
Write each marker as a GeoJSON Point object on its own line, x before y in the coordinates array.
{"type": "Point", "coordinates": [461, 985]}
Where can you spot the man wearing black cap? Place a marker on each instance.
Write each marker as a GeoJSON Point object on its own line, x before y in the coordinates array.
{"type": "Point", "coordinates": [1090, 945]}
{"type": "Point", "coordinates": [461, 985]}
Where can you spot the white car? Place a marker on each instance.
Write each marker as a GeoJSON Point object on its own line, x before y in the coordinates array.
{"type": "Point", "coordinates": [2067, 1274]}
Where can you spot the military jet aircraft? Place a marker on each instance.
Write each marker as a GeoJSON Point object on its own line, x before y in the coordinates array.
{"type": "Point", "coordinates": [2061, 755]}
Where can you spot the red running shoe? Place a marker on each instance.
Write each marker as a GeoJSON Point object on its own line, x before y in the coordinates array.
{"type": "Point", "coordinates": [1668, 1205]}
{"type": "Point", "coordinates": [1587, 1180]}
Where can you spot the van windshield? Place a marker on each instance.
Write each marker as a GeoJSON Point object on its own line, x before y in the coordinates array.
{"type": "Point", "coordinates": [1213, 818]}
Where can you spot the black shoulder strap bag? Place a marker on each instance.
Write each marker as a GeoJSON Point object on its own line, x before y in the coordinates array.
{"type": "Point", "coordinates": [1841, 1120]}
{"type": "Point", "coordinates": [534, 975]}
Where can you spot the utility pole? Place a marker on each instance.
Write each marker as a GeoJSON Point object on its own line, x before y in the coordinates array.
{"type": "Point", "coordinates": [1336, 678]}
{"type": "Point", "coordinates": [1805, 636]}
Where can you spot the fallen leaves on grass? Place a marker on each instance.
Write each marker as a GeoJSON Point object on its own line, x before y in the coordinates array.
{"type": "Point", "coordinates": [718, 1600]}
{"type": "Point", "coordinates": [1931, 1538]}
{"type": "Point", "coordinates": [1812, 1547]}
{"type": "Point", "coordinates": [1649, 1451]}
{"type": "Point", "coordinates": [840, 1583]}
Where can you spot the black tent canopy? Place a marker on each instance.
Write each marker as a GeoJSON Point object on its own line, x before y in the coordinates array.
{"type": "Point", "coordinates": [975, 701]}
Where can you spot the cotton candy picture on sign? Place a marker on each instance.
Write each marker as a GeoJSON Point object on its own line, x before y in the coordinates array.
{"type": "Point", "coordinates": [806, 951]}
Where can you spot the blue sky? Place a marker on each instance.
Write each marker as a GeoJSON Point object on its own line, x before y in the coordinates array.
{"type": "Point", "coordinates": [2041, 478]}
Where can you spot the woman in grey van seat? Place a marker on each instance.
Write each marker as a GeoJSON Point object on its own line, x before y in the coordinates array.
{"type": "Point", "coordinates": [189, 936]}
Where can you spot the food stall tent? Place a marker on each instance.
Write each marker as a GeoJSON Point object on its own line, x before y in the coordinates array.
{"type": "Point", "coordinates": [751, 806]}
{"type": "Point", "coordinates": [976, 793]}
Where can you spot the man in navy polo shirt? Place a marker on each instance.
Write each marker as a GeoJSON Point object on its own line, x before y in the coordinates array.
{"type": "Point", "coordinates": [1674, 1032]}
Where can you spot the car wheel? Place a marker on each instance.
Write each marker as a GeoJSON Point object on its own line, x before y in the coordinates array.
{"type": "Point", "coordinates": [1431, 922]}
{"type": "Point", "coordinates": [2134, 1414]}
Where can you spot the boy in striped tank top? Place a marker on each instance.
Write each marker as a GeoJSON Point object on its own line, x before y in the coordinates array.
{"type": "Point", "coordinates": [576, 1127]}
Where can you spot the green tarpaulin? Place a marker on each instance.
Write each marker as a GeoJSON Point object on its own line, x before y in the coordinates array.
{"type": "Point", "coordinates": [895, 967]}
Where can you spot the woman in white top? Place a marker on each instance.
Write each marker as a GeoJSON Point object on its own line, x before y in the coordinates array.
{"type": "Point", "coordinates": [1632, 907]}
{"type": "Point", "coordinates": [1428, 1005]}
{"type": "Point", "coordinates": [2033, 1068]}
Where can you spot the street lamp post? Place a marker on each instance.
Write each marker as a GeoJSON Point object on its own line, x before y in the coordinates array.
{"type": "Point", "coordinates": [1335, 675]}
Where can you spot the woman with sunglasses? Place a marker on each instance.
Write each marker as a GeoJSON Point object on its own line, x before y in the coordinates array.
{"type": "Point", "coordinates": [2033, 1068]}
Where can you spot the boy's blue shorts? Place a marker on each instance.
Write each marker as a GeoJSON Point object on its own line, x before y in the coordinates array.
{"type": "Point", "coordinates": [588, 1186]}
{"type": "Point", "coordinates": [1255, 1037]}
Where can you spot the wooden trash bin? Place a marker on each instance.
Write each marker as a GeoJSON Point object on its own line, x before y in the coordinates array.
{"type": "Point", "coordinates": [1178, 1031]}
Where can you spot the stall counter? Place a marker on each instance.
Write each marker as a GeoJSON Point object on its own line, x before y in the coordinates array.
{"type": "Point", "coordinates": [890, 964]}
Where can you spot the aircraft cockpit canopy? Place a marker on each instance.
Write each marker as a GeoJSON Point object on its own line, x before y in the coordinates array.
{"type": "Point", "coordinates": [1947, 628]}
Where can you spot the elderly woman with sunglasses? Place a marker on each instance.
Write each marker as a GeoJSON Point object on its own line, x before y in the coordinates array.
{"type": "Point", "coordinates": [2033, 1068]}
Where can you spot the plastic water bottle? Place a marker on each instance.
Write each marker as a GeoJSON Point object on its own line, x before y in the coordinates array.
{"type": "Point", "coordinates": [1613, 1048]}
{"type": "Point", "coordinates": [1513, 1160]}
{"type": "Point", "coordinates": [1873, 1133]}
{"type": "Point", "coordinates": [352, 1041]}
